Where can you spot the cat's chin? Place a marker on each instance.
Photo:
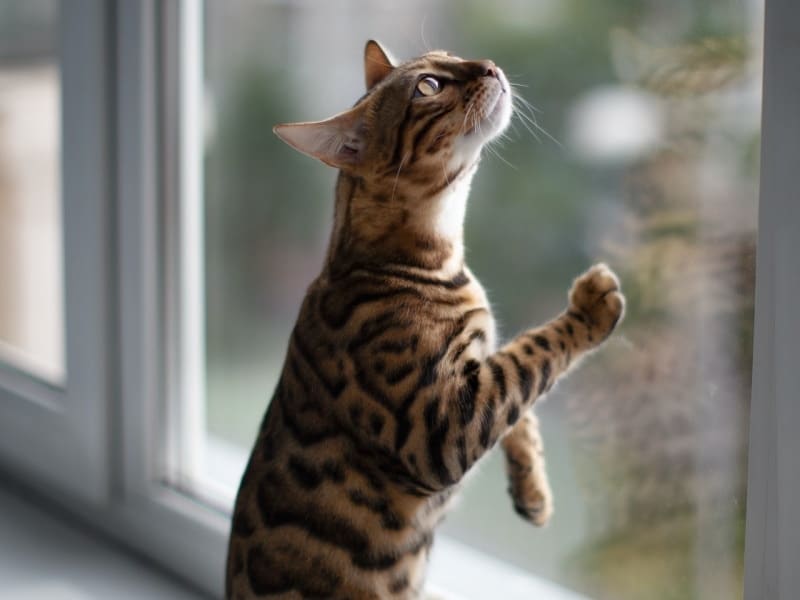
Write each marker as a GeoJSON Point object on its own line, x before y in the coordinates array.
{"type": "Point", "coordinates": [495, 123]}
{"type": "Point", "coordinates": [490, 127]}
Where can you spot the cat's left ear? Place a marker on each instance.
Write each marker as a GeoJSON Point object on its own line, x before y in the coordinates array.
{"type": "Point", "coordinates": [337, 141]}
{"type": "Point", "coordinates": [378, 63]}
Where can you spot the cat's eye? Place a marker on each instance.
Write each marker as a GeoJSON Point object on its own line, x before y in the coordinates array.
{"type": "Point", "coordinates": [428, 86]}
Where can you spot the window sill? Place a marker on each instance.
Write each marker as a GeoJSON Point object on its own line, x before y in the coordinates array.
{"type": "Point", "coordinates": [44, 557]}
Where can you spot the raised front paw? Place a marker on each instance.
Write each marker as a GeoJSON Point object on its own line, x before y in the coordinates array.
{"type": "Point", "coordinates": [596, 299]}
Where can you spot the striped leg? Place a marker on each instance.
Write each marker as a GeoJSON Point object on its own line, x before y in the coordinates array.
{"type": "Point", "coordinates": [492, 396]}
{"type": "Point", "coordinates": [525, 468]}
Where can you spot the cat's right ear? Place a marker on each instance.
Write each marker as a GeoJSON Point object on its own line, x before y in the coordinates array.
{"type": "Point", "coordinates": [337, 141]}
{"type": "Point", "coordinates": [378, 63]}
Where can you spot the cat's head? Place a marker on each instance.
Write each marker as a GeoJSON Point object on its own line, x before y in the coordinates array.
{"type": "Point", "coordinates": [432, 114]}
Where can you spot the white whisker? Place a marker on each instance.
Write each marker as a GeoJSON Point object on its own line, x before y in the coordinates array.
{"type": "Point", "coordinates": [444, 171]}
{"type": "Point", "coordinates": [464, 127]}
{"type": "Point", "coordinates": [425, 43]}
{"type": "Point", "coordinates": [490, 147]}
{"type": "Point", "coordinates": [397, 176]}
{"type": "Point", "coordinates": [528, 119]}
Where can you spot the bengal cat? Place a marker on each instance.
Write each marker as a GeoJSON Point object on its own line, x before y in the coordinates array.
{"type": "Point", "coordinates": [392, 387]}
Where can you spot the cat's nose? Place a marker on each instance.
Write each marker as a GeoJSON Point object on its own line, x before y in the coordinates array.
{"type": "Point", "coordinates": [488, 68]}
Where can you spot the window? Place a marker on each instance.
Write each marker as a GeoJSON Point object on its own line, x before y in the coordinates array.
{"type": "Point", "coordinates": [31, 307]}
{"type": "Point", "coordinates": [54, 366]}
{"type": "Point", "coordinates": [189, 234]}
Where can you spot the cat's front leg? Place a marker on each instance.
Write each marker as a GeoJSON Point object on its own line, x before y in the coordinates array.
{"type": "Point", "coordinates": [596, 309]}
{"type": "Point", "coordinates": [530, 364]}
{"type": "Point", "coordinates": [466, 412]}
{"type": "Point", "coordinates": [525, 470]}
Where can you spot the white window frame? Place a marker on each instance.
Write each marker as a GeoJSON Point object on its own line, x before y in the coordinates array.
{"type": "Point", "coordinates": [99, 438]}
{"type": "Point", "coordinates": [772, 538]}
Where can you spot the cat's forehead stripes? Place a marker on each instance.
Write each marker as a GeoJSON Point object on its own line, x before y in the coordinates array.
{"type": "Point", "coordinates": [450, 67]}
{"type": "Point", "coordinates": [461, 70]}
{"type": "Point", "coordinates": [437, 63]}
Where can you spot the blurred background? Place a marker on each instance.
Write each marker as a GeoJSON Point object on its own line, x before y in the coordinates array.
{"type": "Point", "coordinates": [641, 149]}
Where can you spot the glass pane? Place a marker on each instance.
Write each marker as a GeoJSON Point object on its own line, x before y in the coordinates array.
{"type": "Point", "coordinates": [31, 286]}
{"type": "Point", "coordinates": [643, 153]}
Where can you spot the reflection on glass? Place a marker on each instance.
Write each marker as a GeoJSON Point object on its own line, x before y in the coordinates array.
{"type": "Point", "coordinates": [31, 287]}
{"type": "Point", "coordinates": [649, 161]}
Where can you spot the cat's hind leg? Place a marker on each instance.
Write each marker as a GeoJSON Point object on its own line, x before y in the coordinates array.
{"type": "Point", "coordinates": [525, 469]}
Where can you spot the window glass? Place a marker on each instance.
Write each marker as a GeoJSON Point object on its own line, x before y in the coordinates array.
{"type": "Point", "coordinates": [31, 255]}
{"type": "Point", "coordinates": [640, 148]}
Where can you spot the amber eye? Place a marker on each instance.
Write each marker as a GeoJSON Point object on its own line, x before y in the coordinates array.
{"type": "Point", "coordinates": [428, 86]}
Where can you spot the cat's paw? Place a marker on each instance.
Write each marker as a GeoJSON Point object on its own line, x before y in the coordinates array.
{"type": "Point", "coordinates": [596, 298]}
{"type": "Point", "coordinates": [534, 504]}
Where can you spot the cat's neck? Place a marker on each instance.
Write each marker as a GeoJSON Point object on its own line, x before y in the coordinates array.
{"type": "Point", "coordinates": [376, 226]}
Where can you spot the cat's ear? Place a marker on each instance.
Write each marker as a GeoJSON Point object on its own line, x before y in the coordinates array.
{"type": "Point", "coordinates": [378, 63]}
{"type": "Point", "coordinates": [337, 141]}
